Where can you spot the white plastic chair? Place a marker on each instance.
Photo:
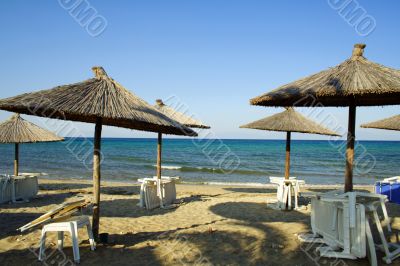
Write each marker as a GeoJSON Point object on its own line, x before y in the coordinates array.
{"type": "Point", "coordinates": [70, 225]}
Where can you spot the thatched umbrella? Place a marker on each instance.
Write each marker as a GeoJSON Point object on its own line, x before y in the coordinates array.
{"type": "Point", "coordinates": [289, 121]}
{"type": "Point", "coordinates": [391, 123]}
{"type": "Point", "coordinates": [17, 130]}
{"type": "Point", "coordinates": [180, 118]}
{"type": "Point", "coordinates": [355, 82]}
{"type": "Point", "coordinates": [99, 100]}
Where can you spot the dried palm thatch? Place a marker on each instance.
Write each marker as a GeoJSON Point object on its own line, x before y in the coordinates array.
{"type": "Point", "coordinates": [355, 81]}
{"type": "Point", "coordinates": [178, 116]}
{"type": "Point", "coordinates": [391, 123]}
{"type": "Point", "coordinates": [99, 100]}
{"type": "Point", "coordinates": [99, 97]}
{"type": "Point", "coordinates": [18, 130]}
{"type": "Point", "coordinates": [290, 121]}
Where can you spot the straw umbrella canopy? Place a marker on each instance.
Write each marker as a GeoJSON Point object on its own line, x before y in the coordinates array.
{"type": "Point", "coordinates": [17, 130]}
{"type": "Point", "coordinates": [99, 100]}
{"type": "Point", "coordinates": [391, 123]}
{"type": "Point", "coordinates": [355, 82]}
{"type": "Point", "coordinates": [180, 118]}
{"type": "Point", "coordinates": [289, 121]}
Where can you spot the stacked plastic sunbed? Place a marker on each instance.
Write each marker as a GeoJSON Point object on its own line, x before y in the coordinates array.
{"type": "Point", "coordinates": [18, 188]}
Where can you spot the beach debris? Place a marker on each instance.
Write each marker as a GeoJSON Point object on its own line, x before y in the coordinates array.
{"type": "Point", "coordinates": [277, 246]}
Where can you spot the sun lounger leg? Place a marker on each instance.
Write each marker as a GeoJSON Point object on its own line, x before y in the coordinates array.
{"type": "Point", "coordinates": [142, 193]}
{"type": "Point", "coordinates": [60, 242]}
{"type": "Point", "coordinates": [296, 195]}
{"type": "Point", "coordinates": [370, 245]}
{"type": "Point", "coordinates": [385, 214]}
{"type": "Point", "coordinates": [381, 233]}
{"type": "Point", "coordinates": [285, 198]}
{"type": "Point", "coordinates": [346, 229]}
{"type": "Point", "coordinates": [90, 235]}
{"type": "Point", "coordinates": [42, 245]}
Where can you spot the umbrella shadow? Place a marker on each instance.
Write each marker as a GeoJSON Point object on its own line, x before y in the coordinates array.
{"type": "Point", "coordinates": [275, 246]}
{"type": "Point", "coordinates": [253, 213]}
{"type": "Point", "coordinates": [120, 190]}
{"type": "Point", "coordinates": [63, 186]}
{"type": "Point", "coordinates": [128, 208]}
{"type": "Point", "coordinates": [10, 222]}
{"type": "Point", "coordinates": [132, 239]}
{"type": "Point", "coordinates": [40, 201]}
{"type": "Point", "coordinates": [103, 255]}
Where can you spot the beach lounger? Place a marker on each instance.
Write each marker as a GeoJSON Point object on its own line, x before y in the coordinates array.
{"type": "Point", "coordinates": [17, 188]}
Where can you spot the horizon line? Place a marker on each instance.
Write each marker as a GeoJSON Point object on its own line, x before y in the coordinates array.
{"type": "Point", "coordinates": [189, 138]}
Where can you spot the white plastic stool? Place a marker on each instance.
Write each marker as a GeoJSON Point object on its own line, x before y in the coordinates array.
{"type": "Point", "coordinates": [70, 225]}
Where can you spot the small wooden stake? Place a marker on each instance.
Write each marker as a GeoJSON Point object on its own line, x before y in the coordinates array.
{"type": "Point", "coordinates": [96, 178]}
{"type": "Point", "coordinates": [159, 149]}
{"type": "Point", "coordinates": [350, 149]}
{"type": "Point", "coordinates": [16, 159]}
{"type": "Point", "coordinates": [287, 163]}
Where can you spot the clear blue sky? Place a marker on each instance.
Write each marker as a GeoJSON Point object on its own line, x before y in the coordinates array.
{"type": "Point", "coordinates": [214, 55]}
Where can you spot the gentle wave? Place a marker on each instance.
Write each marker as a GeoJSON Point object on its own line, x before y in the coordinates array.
{"type": "Point", "coordinates": [211, 170]}
{"type": "Point", "coordinates": [170, 167]}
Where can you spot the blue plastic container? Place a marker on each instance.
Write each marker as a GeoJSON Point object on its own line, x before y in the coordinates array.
{"type": "Point", "coordinates": [391, 190]}
{"type": "Point", "coordinates": [395, 195]}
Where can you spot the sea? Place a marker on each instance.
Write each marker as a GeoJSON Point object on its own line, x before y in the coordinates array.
{"type": "Point", "coordinates": [207, 161]}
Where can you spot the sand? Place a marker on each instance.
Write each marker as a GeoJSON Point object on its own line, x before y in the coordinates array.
{"type": "Point", "coordinates": [212, 225]}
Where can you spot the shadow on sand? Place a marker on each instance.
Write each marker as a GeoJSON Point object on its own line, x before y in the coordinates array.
{"type": "Point", "coordinates": [63, 186]}
{"type": "Point", "coordinates": [277, 245]}
{"type": "Point", "coordinates": [128, 208]}
{"type": "Point", "coordinates": [120, 190]}
{"type": "Point", "coordinates": [40, 201]}
{"type": "Point", "coordinates": [103, 255]}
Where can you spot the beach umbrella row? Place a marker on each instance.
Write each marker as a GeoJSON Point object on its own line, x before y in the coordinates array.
{"type": "Point", "coordinates": [289, 121]}
{"type": "Point", "coordinates": [99, 100]}
{"type": "Point", "coordinates": [355, 82]}
{"type": "Point", "coordinates": [391, 123]}
{"type": "Point", "coordinates": [180, 118]}
{"type": "Point", "coordinates": [16, 130]}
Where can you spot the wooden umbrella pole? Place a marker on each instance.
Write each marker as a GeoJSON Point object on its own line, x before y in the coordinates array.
{"type": "Point", "coordinates": [350, 149]}
{"type": "Point", "coordinates": [287, 163]}
{"type": "Point", "coordinates": [159, 150]}
{"type": "Point", "coordinates": [96, 177]}
{"type": "Point", "coordinates": [16, 159]}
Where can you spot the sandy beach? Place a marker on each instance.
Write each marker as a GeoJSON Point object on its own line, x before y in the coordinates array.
{"type": "Point", "coordinates": [211, 225]}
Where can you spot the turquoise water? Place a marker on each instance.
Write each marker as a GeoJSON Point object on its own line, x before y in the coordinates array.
{"type": "Point", "coordinates": [238, 161]}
